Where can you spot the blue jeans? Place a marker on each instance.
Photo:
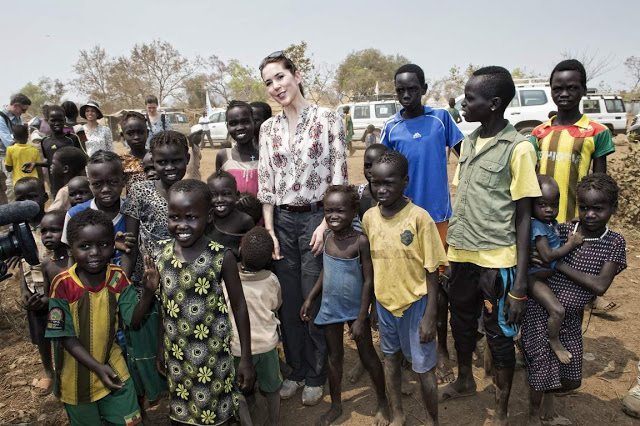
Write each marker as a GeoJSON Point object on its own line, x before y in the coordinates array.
{"type": "Point", "coordinates": [304, 344]}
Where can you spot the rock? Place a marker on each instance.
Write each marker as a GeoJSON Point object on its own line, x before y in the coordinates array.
{"type": "Point", "coordinates": [19, 383]}
{"type": "Point", "coordinates": [588, 356]}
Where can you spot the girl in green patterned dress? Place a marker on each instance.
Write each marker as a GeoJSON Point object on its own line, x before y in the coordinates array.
{"type": "Point", "coordinates": [197, 357]}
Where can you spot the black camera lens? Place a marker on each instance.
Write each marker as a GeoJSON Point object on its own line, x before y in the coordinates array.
{"type": "Point", "coordinates": [19, 242]}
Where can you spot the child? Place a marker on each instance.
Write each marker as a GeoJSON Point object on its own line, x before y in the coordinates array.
{"type": "Point", "coordinates": [571, 143]}
{"type": "Point", "coordinates": [106, 180]}
{"type": "Point", "coordinates": [369, 136]}
{"type": "Point", "coordinates": [229, 224]}
{"type": "Point", "coordinates": [145, 208]}
{"type": "Point", "coordinates": [580, 275]}
{"type": "Point", "coordinates": [406, 253]}
{"type": "Point", "coordinates": [51, 227]}
{"type": "Point", "coordinates": [454, 111]}
{"type": "Point", "coordinates": [544, 235]}
{"type": "Point", "coordinates": [261, 112]}
{"type": "Point", "coordinates": [79, 191]}
{"type": "Point", "coordinates": [346, 284]}
{"type": "Point", "coordinates": [134, 132]}
{"type": "Point", "coordinates": [262, 292]}
{"type": "Point", "coordinates": [149, 168]}
{"type": "Point", "coordinates": [197, 331]}
{"type": "Point", "coordinates": [20, 154]}
{"type": "Point", "coordinates": [33, 287]}
{"type": "Point", "coordinates": [367, 199]}
{"type": "Point", "coordinates": [241, 160]}
{"type": "Point", "coordinates": [489, 234]}
{"type": "Point", "coordinates": [92, 379]}
{"type": "Point", "coordinates": [67, 163]}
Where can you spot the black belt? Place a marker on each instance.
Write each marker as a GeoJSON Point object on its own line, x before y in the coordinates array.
{"type": "Point", "coordinates": [305, 208]}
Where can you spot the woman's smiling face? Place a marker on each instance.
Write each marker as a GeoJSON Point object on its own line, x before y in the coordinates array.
{"type": "Point", "coordinates": [281, 84]}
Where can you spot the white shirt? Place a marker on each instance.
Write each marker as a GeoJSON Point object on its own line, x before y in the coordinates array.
{"type": "Point", "coordinates": [204, 123]}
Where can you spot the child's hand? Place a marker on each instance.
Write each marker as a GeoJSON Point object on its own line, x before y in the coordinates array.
{"type": "Point", "coordinates": [373, 317]}
{"type": "Point", "coordinates": [246, 375]}
{"type": "Point", "coordinates": [151, 277]}
{"type": "Point", "coordinates": [37, 302]}
{"type": "Point", "coordinates": [124, 241]}
{"type": "Point", "coordinates": [427, 329]}
{"type": "Point", "coordinates": [575, 239]}
{"type": "Point", "coordinates": [357, 329]}
{"type": "Point", "coordinates": [28, 167]}
{"type": "Point", "coordinates": [304, 311]}
{"type": "Point", "coordinates": [109, 377]}
{"type": "Point", "coordinates": [12, 262]}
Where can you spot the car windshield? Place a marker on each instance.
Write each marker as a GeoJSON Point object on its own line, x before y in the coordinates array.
{"type": "Point", "coordinates": [385, 110]}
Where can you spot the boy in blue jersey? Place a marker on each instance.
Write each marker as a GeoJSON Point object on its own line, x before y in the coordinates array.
{"type": "Point", "coordinates": [424, 135]}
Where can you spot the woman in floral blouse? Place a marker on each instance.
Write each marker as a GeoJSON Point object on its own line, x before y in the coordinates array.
{"type": "Point", "coordinates": [302, 152]}
{"type": "Point", "coordinates": [98, 137]}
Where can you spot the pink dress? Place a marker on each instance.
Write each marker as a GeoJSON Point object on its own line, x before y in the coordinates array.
{"type": "Point", "coordinates": [245, 172]}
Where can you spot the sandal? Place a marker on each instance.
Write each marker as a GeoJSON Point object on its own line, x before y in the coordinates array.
{"type": "Point", "coordinates": [603, 306]}
{"type": "Point", "coordinates": [449, 393]}
{"type": "Point", "coordinates": [42, 386]}
{"type": "Point", "coordinates": [444, 374]}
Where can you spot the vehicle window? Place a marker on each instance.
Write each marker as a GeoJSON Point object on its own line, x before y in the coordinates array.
{"type": "Point", "coordinates": [361, 111]}
{"type": "Point", "coordinates": [614, 105]}
{"type": "Point", "coordinates": [515, 102]}
{"type": "Point", "coordinates": [532, 97]}
{"type": "Point", "coordinates": [591, 106]}
{"type": "Point", "coordinates": [214, 117]}
{"type": "Point", "coordinates": [180, 118]}
{"type": "Point", "coordinates": [385, 110]}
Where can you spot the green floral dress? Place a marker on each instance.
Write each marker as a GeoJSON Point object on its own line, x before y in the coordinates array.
{"type": "Point", "coordinates": [197, 337]}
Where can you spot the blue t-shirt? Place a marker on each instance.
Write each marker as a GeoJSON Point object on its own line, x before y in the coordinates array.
{"type": "Point", "coordinates": [424, 141]}
{"type": "Point", "coordinates": [550, 232]}
{"type": "Point", "coordinates": [118, 224]}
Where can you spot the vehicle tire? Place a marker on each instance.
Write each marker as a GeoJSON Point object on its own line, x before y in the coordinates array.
{"type": "Point", "coordinates": [227, 143]}
{"type": "Point", "coordinates": [526, 131]}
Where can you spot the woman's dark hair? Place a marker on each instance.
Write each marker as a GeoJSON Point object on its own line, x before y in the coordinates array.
{"type": "Point", "coordinates": [151, 99]}
{"type": "Point", "coordinates": [256, 248]}
{"type": "Point", "coordinates": [286, 63]}
{"type": "Point", "coordinates": [600, 182]}
{"type": "Point", "coordinates": [70, 110]}
{"type": "Point", "coordinates": [349, 191]}
{"type": "Point", "coordinates": [88, 217]}
{"type": "Point", "coordinates": [169, 137]}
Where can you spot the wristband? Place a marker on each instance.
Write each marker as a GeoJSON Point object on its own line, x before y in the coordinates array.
{"type": "Point", "coordinates": [523, 298]}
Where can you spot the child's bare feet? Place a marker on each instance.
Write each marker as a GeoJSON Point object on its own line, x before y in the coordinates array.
{"type": "Point", "coordinates": [382, 416]}
{"type": "Point", "coordinates": [444, 373]}
{"type": "Point", "coordinates": [563, 355]}
{"type": "Point", "coordinates": [327, 418]}
{"type": "Point", "coordinates": [356, 372]}
{"type": "Point", "coordinates": [398, 421]}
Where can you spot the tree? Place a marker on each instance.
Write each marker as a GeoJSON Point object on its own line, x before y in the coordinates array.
{"type": "Point", "coordinates": [360, 72]}
{"type": "Point", "coordinates": [93, 69]}
{"type": "Point", "coordinates": [243, 84]}
{"type": "Point", "coordinates": [632, 63]}
{"type": "Point", "coordinates": [452, 84]}
{"type": "Point", "coordinates": [44, 91]}
{"type": "Point", "coordinates": [520, 73]}
{"type": "Point", "coordinates": [594, 64]}
{"type": "Point", "coordinates": [195, 91]}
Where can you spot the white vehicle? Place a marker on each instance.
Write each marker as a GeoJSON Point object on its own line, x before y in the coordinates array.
{"type": "Point", "coordinates": [373, 112]}
{"type": "Point", "coordinates": [217, 127]}
{"type": "Point", "coordinates": [532, 104]}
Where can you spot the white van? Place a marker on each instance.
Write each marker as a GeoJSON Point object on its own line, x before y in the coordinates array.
{"type": "Point", "coordinates": [373, 112]}
{"type": "Point", "coordinates": [532, 103]}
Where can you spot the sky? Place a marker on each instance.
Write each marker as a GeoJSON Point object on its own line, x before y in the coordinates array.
{"type": "Point", "coordinates": [43, 37]}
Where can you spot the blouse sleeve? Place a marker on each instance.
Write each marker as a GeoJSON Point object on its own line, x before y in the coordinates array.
{"type": "Point", "coordinates": [339, 174]}
{"type": "Point", "coordinates": [266, 180]}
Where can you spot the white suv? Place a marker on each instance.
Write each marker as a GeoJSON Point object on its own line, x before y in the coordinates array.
{"type": "Point", "coordinates": [532, 103]}
{"type": "Point", "coordinates": [217, 127]}
{"type": "Point", "coordinates": [373, 112]}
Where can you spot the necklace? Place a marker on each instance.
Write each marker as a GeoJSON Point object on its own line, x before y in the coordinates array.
{"type": "Point", "coordinates": [55, 259]}
{"type": "Point", "coordinates": [606, 231]}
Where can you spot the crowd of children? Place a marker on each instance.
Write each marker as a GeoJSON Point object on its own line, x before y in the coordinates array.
{"type": "Point", "coordinates": [150, 284]}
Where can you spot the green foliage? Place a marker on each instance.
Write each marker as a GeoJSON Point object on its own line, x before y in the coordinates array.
{"type": "Point", "coordinates": [243, 83]}
{"type": "Point", "coordinates": [44, 91]}
{"type": "Point", "coordinates": [359, 72]}
{"type": "Point", "coordinates": [194, 91]}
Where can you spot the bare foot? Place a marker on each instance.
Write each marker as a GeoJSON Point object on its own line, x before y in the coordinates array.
{"type": "Point", "coordinates": [563, 355]}
{"type": "Point", "coordinates": [382, 416]}
{"type": "Point", "coordinates": [444, 373]}
{"type": "Point", "coordinates": [398, 421]}
{"type": "Point", "coordinates": [327, 418]}
{"type": "Point", "coordinates": [500, 421]}
{"type": "Point", "coordinates": [355, 373]}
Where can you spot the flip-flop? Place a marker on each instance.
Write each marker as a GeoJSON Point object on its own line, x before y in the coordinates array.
{"type": "Point", "coordinates": [603, 306]}
{"type": "Point", "coordinates": [449, 393]}
{"type": "Point", "coordinates": [444, 374]}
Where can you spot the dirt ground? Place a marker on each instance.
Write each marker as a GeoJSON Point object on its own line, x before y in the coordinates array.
{"type": "Point", "coordinates": [613, 342]}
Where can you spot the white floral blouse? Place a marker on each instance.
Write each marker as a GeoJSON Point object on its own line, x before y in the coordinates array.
{"type": "Point", "coordinates": [300, 173]}
{"type": "Point", "coordinates": [97, 139]}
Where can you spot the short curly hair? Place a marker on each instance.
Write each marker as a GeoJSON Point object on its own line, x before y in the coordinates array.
{"type": "Point", "coordinates": [192, 186]}
{"type": "Point", "coordinates": [256, 248]}
{"type": "Point", "coordinates": [88, 217]}
{"type": "Point", "coordinates": [169, 137]}
{"type": "Point", "coordinates": [397, 160]}
{"type": "Point", "coordinates": [600, 182]}
{"type": "Point", "coordinates": [349, 191]}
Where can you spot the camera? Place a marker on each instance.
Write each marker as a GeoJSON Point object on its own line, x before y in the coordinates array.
{"type": "Point", "coordinates": [18, 242]}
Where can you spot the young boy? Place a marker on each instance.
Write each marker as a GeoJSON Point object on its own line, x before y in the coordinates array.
{"type": "Point", "coordinates": [59, 260]}
{"type": "Point", "coordinates": [424, 135]}
{"type": "Point", "coordinates": [406, 252]}
{"type": "Point", "coordinates": [92, 379]}
{"type": "Point", "coordinates": [262, 293]}
{"type": "Point", "coordinates": [20, 154]}
{"type": "Point", "coordinates": [79, 191]}
{"type": "Point", "coordinates": [66, 163]}
{"type": "Point", "coordinates": [33, 288]}
{"type": "Point", "coordinates": [489, 233]}
{"type": "Point", "coordinates": [571, 143]}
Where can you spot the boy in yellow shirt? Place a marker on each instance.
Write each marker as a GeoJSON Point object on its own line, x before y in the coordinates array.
{"type": "Point", "coordinates": [21, 153]}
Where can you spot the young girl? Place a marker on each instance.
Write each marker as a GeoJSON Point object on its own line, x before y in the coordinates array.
{"type": "Point", "coordinates": [581, 275]}
{"type": "Point", "coordinates": [241, 160]}
{"type": "Point", "coordinates": [197, 330]}
{"type": "Point", "coordinates": [367, 200]}
{"type": "Point", "coordinates": [544, 236]}
{"type": "Point", "coordinates": [149, 169]}
{"type": "Point", "coordinates": [51, 228]}
{"type": "Point", "coordinates": [346, 283]}
{"type": "Point", "coordinates": [229, 224]}
{"type": "Point", "coordinates": [134, 131]}
{"type": "Point", "coordinates": [370, 137]}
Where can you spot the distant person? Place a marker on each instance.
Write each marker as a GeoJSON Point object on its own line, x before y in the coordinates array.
{"type": "Point", "coordinates": [454, 111]}
{"type": "Point", "coordinates": [348, 129]}
{"type": "Point", "coordinates": [10, 115]}
{"type": "Point", "coordinates": [38, 125]}
{"type": "Point", "coordinates": [370, 137]}
{"type": "Point", "coordinates": [20, 154]}
{"type": "Point", "coordinates": [204, 126]}
{"type": "Point", "coordinates": [156, 121]}
{"type": "Point", "coordinates": [97, 136]}
{"type": "Point", "coordinates": [67, 163]}
{"type": "Point", "coordinates": [71, 118]}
